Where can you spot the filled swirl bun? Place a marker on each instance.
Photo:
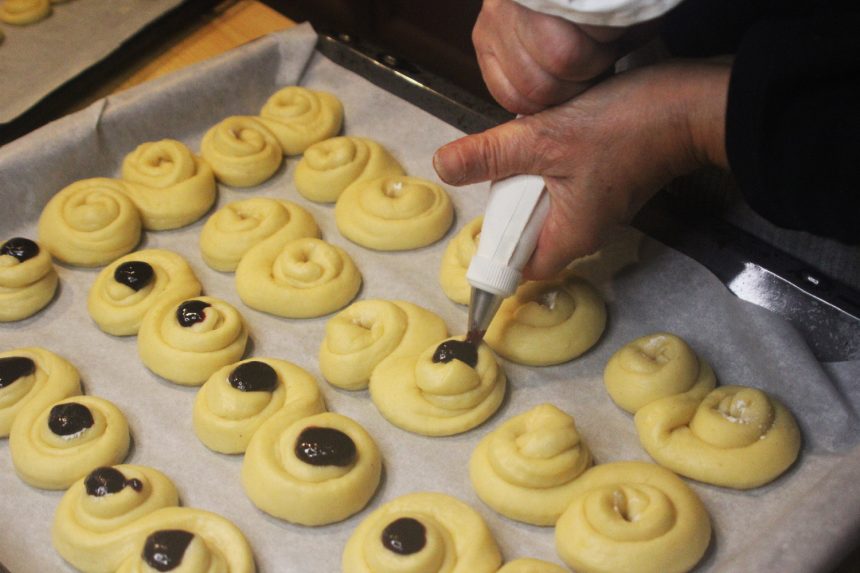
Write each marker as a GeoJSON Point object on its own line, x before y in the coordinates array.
{"type": "Point", "coordinates": [302, 278]}
{"type": "Point", "coordinates": [187, 342]}
{"type": "Point", "coordinates": [238, 398]}
{"type": "Point", "coordinates": [394, 213]}
{"type": "Point", "coordinates": [734, 437]}
{"type": "Point", "coordinates": [332, 165]}
{"type": "Point", "coordinates": [313, 471]}
{"type": "Point", "coordinates": [23, 12]}
{"type": "Point", "coordinates": [525, 469]}
{"type": "Point", "coordinates": [299, 117]}
{"type": "Point", "coordinates": [237, 227]}
{"type": "Point", "coordinates": [635, 517]}
{"type": "Point", "coordinates": [127, 288]}
{"type": "Point", "coordinates": [28, 279]}
{"type": "Point", "coordinates": [422, 533]}
{"type": "Point", "coordinates": [653, 367]}
{"type": "Point", "coordinates": [455, 262]}
{"type": "Point", "coordinates": [450, 388]}
{"type": "Point", "coordinates": [241, 151]}
{"type": "Point", "coordinates": [367, 332]}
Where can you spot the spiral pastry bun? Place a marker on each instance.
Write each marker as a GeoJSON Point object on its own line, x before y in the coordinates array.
{"type": "Point", "coordinates": [312, 471]}
{"type": "Point", "coordinates": [128, 287]}
{"type": "Point", "coordinates": [33, 378]}
{"type": "Point", "coordinates": [527, 565]}
{"type": "Point", "coordinates": [634, 517]}
{"type": "Point", "coordinates": [237, 227]}
{"type": "Point", "coordinates": [422, 533]}
{"type": "Point", "coordinates": [187, 342]}
{"type": "Point", "coordinates": [734, 437]}
{"type": "Point", "coordinates": [53, 447]}
{"type": "Point", "coordinates": [653, 367]}
{"type": "Point", "coordinates": [455, 261]}
{"type": "Point", "coordinates": [332, 165]}
{"type": "Point", "coordinates": [299, 117]}
{"type": "Point", "coordinates": [303, 278]}
{"type": "Point", "coordinates": [394, 213]}
{"type": "Point", "coordinates": [238, 398]}
{"type": "Point", "coordinates": [23, 12]}
{"type": "Point", "coordinates": [548, 322]}
{"type": "Point", "coordinates": [90, 223]}
{"type": "Point", "coordinates": [241, 151]}
{"type": "Point", "coordinates": [450, 388]}
{"type": "Point", "coordinates": [28, 279]}
{"type": "Point", "coordinates": [361, 336]}
{"type": "Point", "coordinates": [525, 469]}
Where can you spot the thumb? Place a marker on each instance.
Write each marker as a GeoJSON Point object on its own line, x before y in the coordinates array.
{"type": "Point", "coordinates": [500, 152]}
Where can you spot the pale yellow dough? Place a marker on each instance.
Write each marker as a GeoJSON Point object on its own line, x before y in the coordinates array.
{"type": "Point", "coordinates": [239, 226]}
{"type": "Point", "coordinates": [52, 379]}
{"type": "Point", "coordinates": [303, 278]}
{"type": "Point", "coordinates": [119, 309]}
{"type": "Point", "coordinates": [368, 332]}
{"type": "Point", "coordinates": [455, 262]}
{"type": "Point", "coordinates": [634, 517]}
{"type": "Point", "coordinates": [225, 417]}
{"type": "Point", "coordinates": [241, 151]}
{"type": "Point", "coordinates": [106, 534]}
{"type": "Point", "coordinates": [734, 437]}
{"type": "Point", "coordinates": [456, 539]}
{"type": "Point", "coordinates": [299, 117]}
{"type": "Point", "coordinates": [394, 213]}
{"type": "Point", "coordinates": [653, 367]}
{"type": "Point", "coordinates": [46, 460]}
{"type": "Point", "coordinates": [330, 166]}
{"type": "Point", "coordinates": [22, 12]}
{"type": "Point", "coordinates": [526, 468]}
{"type": "Point", "coordinates": [438, 399]}
{"type": "Point", "coordinates": [189, 355]}
{"type": "Point", "coordinates": [526, 565]}
{"type": "Point", "coordinates": [548, 322]}
{"type": "Point", "coordinates": [283, 485]}
{"type": "Point", "coordinates": [26, 287]}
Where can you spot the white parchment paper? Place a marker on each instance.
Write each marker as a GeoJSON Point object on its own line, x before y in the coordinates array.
{"type": "Point", "coordinates": [799, 523]}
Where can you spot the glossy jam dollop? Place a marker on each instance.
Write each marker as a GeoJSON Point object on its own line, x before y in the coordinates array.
{"type": "Point", "coordinates": [106, 480]}
{"type": "Point", "coordinates": [253, 376]}
{"type": "Point", "coordinates": [404, 536]}
{"type": "Point", "coordinates": [191, 312]}
{"type": "Point", "coordinates": [461, 350]}
{"type": "Point", "coordinates": [20, 248]}
{"type": "Point", "coordinates": [134, 274]}
{"type": "Point", "coordinates": [164, 549]}
{"type": "Point", "coordinates": [14, 367]}
{"type": "Point", "coordinates": [69, 419]}
{"type": "Point", "coordinates": [325, 447]}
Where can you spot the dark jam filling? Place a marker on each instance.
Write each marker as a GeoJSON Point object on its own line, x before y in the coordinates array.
{"type": "Point", "coordinates": [134, 274]}
{"type": "Point", "coordinates": [164, 550]}
{"type": "Point", "coordinates": [69, 419]}
{"type": "Point", "coordinates": [464, 351]}
{"type": "Point", "coordinates": [253, 376]}
{"type": "Point", "coordinates": [404, 536]}
{"type": "Point", "coordinates": [20, 248]}
{"type": "Point", "coordinates": [191, 312]}
{"type": "Point", "coordinates": [104, 481]}
{"type": "Point", "coordinates": [14, 367]}
{"type": "Point", "coordinates": [325, 447]}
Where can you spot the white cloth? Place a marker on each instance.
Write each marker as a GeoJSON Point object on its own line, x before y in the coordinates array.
{"type": "Point", "coordinates": [620, 13]}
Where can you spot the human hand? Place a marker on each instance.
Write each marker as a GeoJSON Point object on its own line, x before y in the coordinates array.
{"type": "Point", "coordinates": [602, 154]}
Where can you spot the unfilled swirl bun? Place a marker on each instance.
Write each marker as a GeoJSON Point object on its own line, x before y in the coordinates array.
{"type": "Point", "coordinates": [241, 151]}
{"type": "Point", "coordinates": [313, 471]}
{"type": "Point", "coordinates": [394, 213]}
{"type": "Point", "coordinates": [303, 278]}
{"type": "Point", "coordinates": [330, 166]}
{"type": "Point", "coordinates": [653, 367]}
{"type": "Point", "coordinates": [438, 393]}
{"type": "Point", "coordinates": [53, 447]}
{"type": "Point", "coordinates": [525, 469]}
{"type": "Point", "coordinates": [22, 12]}
{"type": "Point", "coordinates": [455, 262]}
{"type": "Point", "coordinates": [28, 279]}
{"type": "Point", "coordinates": [238, 398]}
{"type": "Point", "coordinates": [237, 227]}
{"type": "Point", "coordinates": [527, 565]}
{"type": "Point", "coordinates": [422, 533]}
{"type": "Point", "coordinates": [735, 437]}
{"type": "Point", "coordinates": [634, 517]}
{"type": "Point", "coordinates": [548, 322]}
{"type": "Point", "coordinates": [187, 342]}
{"type": "Point", "coordinates": [127, 288]}
{"type": "Point", "coordinates": [367, 332]}
{"type": "Point", "coordinates": [33, 378]}
{"type": "Point", "coordinates": [300, 117]}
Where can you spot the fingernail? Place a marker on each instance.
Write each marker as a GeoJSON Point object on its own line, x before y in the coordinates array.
{"type": "Point", "coordinates": [447, 166]}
